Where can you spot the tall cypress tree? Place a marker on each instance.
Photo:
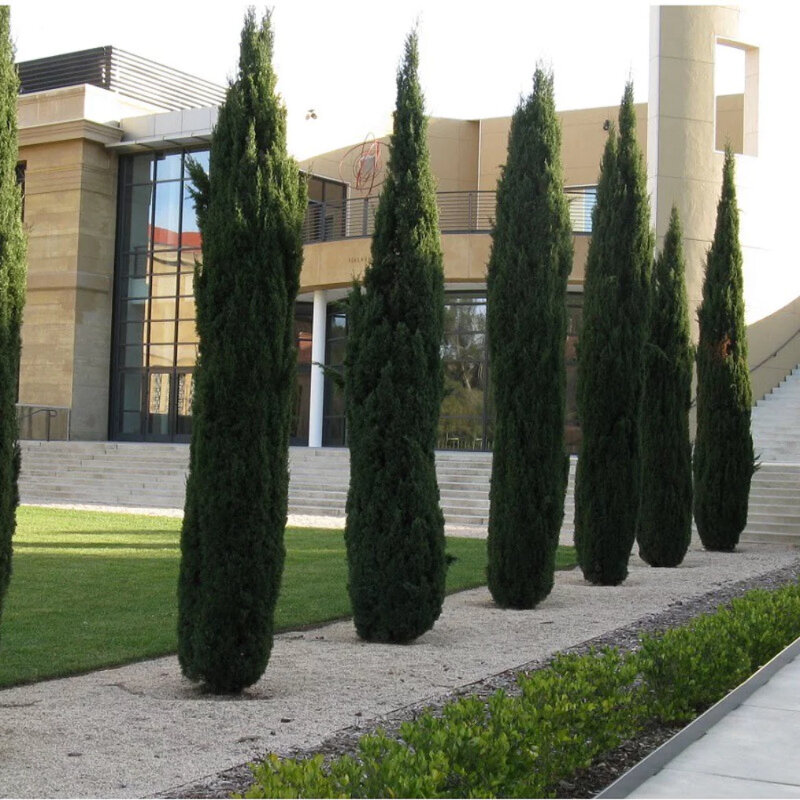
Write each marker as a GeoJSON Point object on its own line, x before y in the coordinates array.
{"type": "Point", "coordinates": [723, 452]}
{"type": "Point", "coordinates": [12, 296]}
{"type": "Point", "coordinates": [393, 391]}
{"type": "Point", "coordinates": [250, 210]}
{"type": "Point", "coordinates": [527, 320]}
{"type": "Point", "coordinates": [665, 514]}
{"type": "Point", "coordinates": [610, 358]}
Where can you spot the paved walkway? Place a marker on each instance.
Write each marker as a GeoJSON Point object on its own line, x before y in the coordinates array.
{"type": "Point", "coordinates": [746, 748]}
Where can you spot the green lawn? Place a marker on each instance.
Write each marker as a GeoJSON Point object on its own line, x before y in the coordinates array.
{"type": "Point", "coordinates": [91, 589]}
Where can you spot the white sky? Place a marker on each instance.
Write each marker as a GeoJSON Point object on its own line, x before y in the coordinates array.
{"type": "Point", "coordinates": [340, 57]}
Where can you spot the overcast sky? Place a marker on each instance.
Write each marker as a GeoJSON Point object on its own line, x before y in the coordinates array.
{"type": "Point", "coordinates": [339, 57]}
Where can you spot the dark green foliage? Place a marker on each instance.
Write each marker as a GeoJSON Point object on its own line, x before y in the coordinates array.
{"type": "Point", "coordinates": [665, 513]}
{"type": "Point", "coordinates": [393, 389]}
{"type": "Point", "coordinates": [723, 451]}
{"type": "Point", "coordinates": [12, 296]}
{"type": "Point", "coordinates": [527, 321]}
{"type": "Point", "coordinates": [250, 210]}
{"type": "Point", "coordinates": [610, 358]}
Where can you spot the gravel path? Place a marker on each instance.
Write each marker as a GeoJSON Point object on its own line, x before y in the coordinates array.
{"type": "Point", "coordinates": [142, 729]}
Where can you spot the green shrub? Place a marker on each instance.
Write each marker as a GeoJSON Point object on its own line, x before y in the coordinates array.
{"type": "Point", "coordinates": [688, 669]}
{"type": "Point", "coordinates": [724, 462]}
{"type": "Point", "coordinates": [12, 297]}
{"type": "Point", "coordinates": [565, 716]}
{"type": "Point", "coordinates": [610, 353]}
{"type": "Point", "coordinates": [508, 746]}
{"type": "Point", "coordinates": [767, 621]}
{"type": "Point", "coordinates": [250, 210]}
{"type": "Point", "coordinates": [664, 525]}
{"type": "Point", "coordinates": [393, 392]}
{"type": "Point", "coordinates": [527, 323]}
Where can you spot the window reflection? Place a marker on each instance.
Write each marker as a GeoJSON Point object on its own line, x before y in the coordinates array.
{"type": "Point", "coordinates": [303, 324]}
{"type": "Point", "coordinates": [463, 416]}
{"type": "Point", "coordinates": [166, 225]}
{"type": "Point", "coordinates": [201, 157]}
{"type": "Point", "coordinates": [155, 331]}
{"type": "Point", "coordinates": [169, 167]}
{"type": "Point", "coordinates": [137, 216]}
{"type": "Point", "coordinates": [333, 420]}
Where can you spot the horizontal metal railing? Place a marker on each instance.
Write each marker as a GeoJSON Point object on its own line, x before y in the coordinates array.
{"type": "Point", "coordinates": [459, 212]}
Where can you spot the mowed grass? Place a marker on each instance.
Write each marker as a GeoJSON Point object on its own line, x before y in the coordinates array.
{"type": "Point", "coordinates": [92, 589]}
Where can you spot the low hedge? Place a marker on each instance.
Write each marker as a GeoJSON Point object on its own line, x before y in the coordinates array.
{"type": "Point", "coordinates": [565, 716]}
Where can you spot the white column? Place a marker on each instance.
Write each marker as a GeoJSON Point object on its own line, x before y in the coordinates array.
{"type": "Point", "coordinates": [317, 375]}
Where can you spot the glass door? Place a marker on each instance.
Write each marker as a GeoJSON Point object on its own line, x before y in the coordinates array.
{"type": "Point", "coordinates": [158, 406]}
{"type": "Point", "coordinates": [184, 394]}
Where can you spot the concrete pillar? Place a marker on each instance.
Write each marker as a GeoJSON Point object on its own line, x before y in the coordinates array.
{"type": "Point", "coordinates": [683, 166]}
{"type": "Point", "coordinates": [317, 393]}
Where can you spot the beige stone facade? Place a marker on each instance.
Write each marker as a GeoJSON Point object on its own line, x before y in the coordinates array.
{"type": "Point", "coordinates": [71, 140]}
{"type": "Point", "coordinates": [70, 216]}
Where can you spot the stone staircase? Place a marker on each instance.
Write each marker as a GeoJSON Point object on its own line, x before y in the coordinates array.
{"type": "Point", "coordinates": [154, 475]}
{"type": "Point", "coordinates": [774, 512]}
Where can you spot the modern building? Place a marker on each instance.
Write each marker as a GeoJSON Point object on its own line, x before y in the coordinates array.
{"type": "Point", "coordinates": [109, 342]}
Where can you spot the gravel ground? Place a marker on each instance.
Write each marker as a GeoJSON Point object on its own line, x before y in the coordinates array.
{"type": "Point", "coordinates": [587, 782]}
{"type": "Point", "coordinates": [141, 730]}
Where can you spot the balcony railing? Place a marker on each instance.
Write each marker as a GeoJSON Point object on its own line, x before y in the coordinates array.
{"type": "Point", "coordinates": [459, 212]}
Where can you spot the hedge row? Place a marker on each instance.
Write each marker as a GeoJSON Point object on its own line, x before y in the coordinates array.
{"type": "Point", "coordinates": [564, 717]}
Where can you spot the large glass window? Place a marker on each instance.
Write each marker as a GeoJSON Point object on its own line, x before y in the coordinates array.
{"type": "Point", "coordinates": [466, 420]}
{"type": "Point", "coordinates": [333, 420]}
{"type": "Point", "coordinates": [155, 339]}
{"type": "Point", "coordinates": [303, 318]}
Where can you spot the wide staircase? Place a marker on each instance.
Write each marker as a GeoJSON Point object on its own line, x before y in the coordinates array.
{"type": "Point", "coordinates": [154, 475]}
{"type": "Point", "coordinates": [774, 513]}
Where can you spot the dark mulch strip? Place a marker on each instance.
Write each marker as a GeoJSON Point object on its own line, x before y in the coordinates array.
{"type": "Point", "coordinates": [587, 782]}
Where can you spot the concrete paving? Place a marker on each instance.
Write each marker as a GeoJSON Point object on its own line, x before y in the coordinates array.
{"type": "Point", "coordinates": [750, 752]}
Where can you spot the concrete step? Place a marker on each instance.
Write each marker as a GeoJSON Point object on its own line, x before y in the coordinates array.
{"type": "Point", "coordinates": [155, 475]}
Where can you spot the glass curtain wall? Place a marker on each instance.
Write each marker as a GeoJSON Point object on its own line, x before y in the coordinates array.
{"type": "Point", "coordinates": [466, 420]}
{"type": "Point", "coordinates": [155, 342]}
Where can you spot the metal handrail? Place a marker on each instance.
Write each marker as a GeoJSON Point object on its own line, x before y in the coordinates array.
{"type": "Point", "coordinates": [774, 353]}
{"type": "Point", "coordinates": [459, 212]}
{"type": "Point", "coordinates": [26, 412]}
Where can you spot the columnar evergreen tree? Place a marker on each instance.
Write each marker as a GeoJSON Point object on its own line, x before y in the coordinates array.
{"type": "Point", "coordinates": [393, 390]}
{"type": "Point", "coordinates": [723, 451]}
{"type": "Point", "coordinates": [610, 358]}
{"type": "Point", "coordinates": [665, 514]}
{"type": "Point", "coordinates": [12, 296]}
{"type": "Point", "coordinates": [527, 321]}
{"type": "Point", "coordinates": [250, 210]}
